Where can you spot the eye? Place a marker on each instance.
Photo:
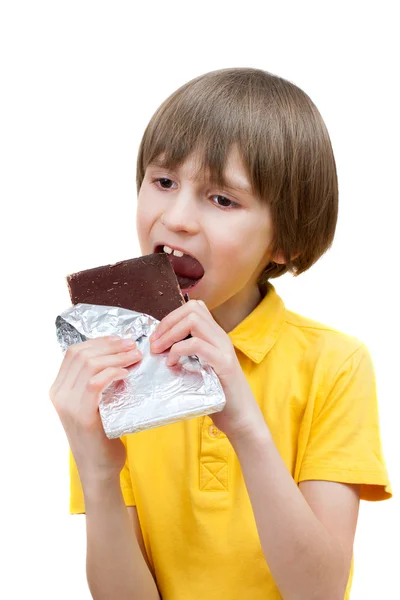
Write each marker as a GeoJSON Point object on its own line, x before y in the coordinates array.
{"type": "Point", "coordinates": [224, 202]}
{"type": "Point", "coordinates": [163, 182]}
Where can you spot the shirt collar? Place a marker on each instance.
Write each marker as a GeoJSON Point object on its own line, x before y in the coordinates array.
{"type": "Point", "coordinates": [258, 332]}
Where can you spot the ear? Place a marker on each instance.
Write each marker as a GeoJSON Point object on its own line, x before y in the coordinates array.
{"type": "Point", "coordinates": [279, 259]}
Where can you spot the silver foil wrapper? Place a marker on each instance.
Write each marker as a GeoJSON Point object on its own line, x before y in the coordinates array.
{"type": "Point", "coordinates": [153, 394]}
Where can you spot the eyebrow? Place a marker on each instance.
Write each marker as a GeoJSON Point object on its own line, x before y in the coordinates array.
{"type": "Point", "coordinates": [228, 183]}
{"type": "Point", "coordinates": [235, 185]}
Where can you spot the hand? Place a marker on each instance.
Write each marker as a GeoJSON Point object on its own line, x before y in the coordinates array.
{"type": "Point", "coordinates": [87, 370]}
{"type": "Point", "coordinates": [212, 345]}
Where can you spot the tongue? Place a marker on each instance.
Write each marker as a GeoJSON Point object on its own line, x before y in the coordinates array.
{"type": "Point", "coordinates": [186, 266]}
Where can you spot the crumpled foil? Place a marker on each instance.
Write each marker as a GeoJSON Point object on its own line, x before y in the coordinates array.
{"type": "Point", "coordinates": [153, 394]}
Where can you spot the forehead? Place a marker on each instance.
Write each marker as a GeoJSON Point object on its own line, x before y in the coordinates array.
{"type": "Point", "coordinates": [234, 172]}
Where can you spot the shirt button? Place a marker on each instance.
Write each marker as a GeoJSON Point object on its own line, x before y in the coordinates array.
{"type": "Point", "coordinates": [213, 431]}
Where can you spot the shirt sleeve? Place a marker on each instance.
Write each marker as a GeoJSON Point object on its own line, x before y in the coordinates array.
{"type": "Point", "coordinates": [77, 501]}
{"type": "Point", "coordinates": [344, 444]}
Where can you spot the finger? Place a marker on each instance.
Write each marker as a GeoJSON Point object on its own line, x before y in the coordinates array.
{"type": "Point", "coordinates": [196, 324]}
{"type": "Point", "coordinates": [187, 299]}
{"type": "Point", "coordinates": [67, 359]}
{"type": "Point", "coordinates": [96, 386]}
{"type": "Point", "coordinates": [94, 365]}
{"type": "Point", "coordinates": [192, 307]}
{"type": "Point", "coordinates": [175, 316]}
{"type": "Point", "coordinates": [222, 361]}
{"type": "Point", "coordinates": [208, 353]}
{"type": "Point", "coordinates": [203, 305]}
{"type": "Point", "coordinates": [76, 353]}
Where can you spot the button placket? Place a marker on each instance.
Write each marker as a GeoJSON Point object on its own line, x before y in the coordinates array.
{"type": "Point", "coordinates": [214, 455]}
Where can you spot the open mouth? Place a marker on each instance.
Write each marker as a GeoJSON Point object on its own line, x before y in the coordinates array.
{"type": "Point", "coordinates": [187, 269]}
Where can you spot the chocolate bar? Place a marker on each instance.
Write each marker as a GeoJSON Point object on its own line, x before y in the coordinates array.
{"type": "Point", "coordinates": [147, 285]}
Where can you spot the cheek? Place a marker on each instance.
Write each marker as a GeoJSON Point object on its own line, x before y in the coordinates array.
{"type": "Point", "coordinates": [245, 244]}
{"type": "Point", "coordinates": [145, 217]}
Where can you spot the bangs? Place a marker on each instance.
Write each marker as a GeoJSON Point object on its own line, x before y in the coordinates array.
{"type": "Point", "coordinates": [204, 121]}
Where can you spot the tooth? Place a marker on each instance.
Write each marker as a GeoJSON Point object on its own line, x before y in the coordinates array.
{"type": "Point", "coordinates": [178, 253]}
{"type": "Point", "coordinates": [167, 250]}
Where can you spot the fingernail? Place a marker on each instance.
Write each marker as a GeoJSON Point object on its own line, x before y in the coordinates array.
{"type": "Point", "coordinates": [128, 343]}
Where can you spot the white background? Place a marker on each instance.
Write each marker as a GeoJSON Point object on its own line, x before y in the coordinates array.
{"type": "Point", "coordinates": [79, 82]}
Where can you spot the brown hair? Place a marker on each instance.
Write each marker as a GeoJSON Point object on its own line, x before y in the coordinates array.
{"type": "Point", "coordinates": [284, 145]}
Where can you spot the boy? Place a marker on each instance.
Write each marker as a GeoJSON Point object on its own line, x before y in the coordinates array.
{"type": "Point", "coordinates": [235, 172]}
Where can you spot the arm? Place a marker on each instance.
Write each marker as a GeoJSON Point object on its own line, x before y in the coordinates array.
{"type": "Point", "coordinates": [116, 565]}
{"type": "Point", "coordinates": [307, 540]}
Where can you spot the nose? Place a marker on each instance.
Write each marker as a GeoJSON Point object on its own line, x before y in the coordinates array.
{"type": "Point", "coordinates": [181, 214]}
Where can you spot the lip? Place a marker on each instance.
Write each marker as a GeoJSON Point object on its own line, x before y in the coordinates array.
{"type": "Point", "coordinates": [188, 291]}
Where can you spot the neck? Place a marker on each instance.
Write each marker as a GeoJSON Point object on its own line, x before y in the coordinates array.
{"type": "Point", "coordinates": [232, 312]}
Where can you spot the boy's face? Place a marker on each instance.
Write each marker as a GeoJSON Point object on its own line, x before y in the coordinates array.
{"type": "Point", "coordinates": [228, 230]}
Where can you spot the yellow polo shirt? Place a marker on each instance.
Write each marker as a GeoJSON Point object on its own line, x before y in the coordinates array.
{"type": "Point", "coordinates": [316, 389]}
